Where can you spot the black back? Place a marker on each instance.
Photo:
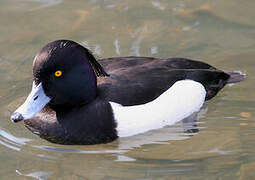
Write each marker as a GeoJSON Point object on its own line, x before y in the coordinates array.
{"type": "Point", "coordinates": [138, 80]}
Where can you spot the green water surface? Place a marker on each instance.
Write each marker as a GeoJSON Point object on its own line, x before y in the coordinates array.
{"type": "Point", "coordinates": [219, 32]}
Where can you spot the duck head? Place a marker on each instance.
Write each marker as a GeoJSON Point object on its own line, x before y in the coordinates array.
{"type": "Point", "coordinates": [64, 76]}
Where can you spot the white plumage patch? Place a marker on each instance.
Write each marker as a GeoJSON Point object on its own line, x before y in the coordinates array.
{"type": "Point", "coordinates": [178, 102]}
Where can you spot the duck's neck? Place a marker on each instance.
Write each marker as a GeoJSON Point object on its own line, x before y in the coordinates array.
{"type": "Point", "coordinates": [88, 124]}
{"type": "Point", "coordinates": [64, 108]}
{"type": "Point", "coordinates": [178, 102]}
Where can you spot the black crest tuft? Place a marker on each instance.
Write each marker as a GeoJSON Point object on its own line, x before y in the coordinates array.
{"type": "Point", "coordinates": [98, 69]}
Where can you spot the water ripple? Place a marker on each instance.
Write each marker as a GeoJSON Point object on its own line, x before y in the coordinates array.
{"type": "Point", "coordinates": [45, 3]}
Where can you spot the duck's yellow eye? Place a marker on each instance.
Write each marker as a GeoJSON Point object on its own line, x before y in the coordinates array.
{"type": "Point", "coordinates": [58, 73]}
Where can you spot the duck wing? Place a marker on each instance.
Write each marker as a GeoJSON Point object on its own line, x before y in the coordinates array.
{"type": "Point", "coordinates": [138, 80]}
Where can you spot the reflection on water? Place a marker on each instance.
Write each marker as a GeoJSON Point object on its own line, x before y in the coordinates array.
{"type": "Point", "coordinates": [40, 175]}
{"type": "Point", "coordinates": [44, 3]}
{"type": "Point", "coordinates": [11, 141]}
{"type": "Point", "coordinates": [219, 143]}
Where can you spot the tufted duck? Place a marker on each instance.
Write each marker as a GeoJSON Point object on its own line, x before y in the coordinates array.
{"type": "Point", "coordinates": [76, 100]}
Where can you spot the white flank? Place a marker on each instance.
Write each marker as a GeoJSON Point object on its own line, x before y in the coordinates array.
{"type": "Point", "coordinates": [178, 102]}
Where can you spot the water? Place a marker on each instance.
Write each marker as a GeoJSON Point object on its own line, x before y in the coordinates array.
{"type": "Point", "coordinates": [221, 33]}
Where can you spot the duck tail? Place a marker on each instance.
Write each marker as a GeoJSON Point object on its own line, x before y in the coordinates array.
{"type": "Point", "coordinates": [235, 76]}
